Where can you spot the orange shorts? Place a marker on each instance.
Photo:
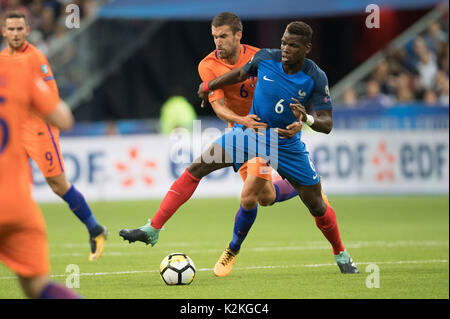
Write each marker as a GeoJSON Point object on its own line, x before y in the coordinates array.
{"type": "Point", "coordinates": [41, 142]}
{"type": "Point", "coordinates": [23, 240]}
{"type": "Point", "coordinates": [257, 167]}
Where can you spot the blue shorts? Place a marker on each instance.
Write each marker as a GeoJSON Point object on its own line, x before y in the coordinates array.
{"type": "Point", "coordinates": [289, 157]}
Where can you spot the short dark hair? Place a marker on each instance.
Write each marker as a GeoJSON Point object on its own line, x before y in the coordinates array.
{"type": "Point", "coordinates": [14, 15]}
{"type": "Point", "coordinates": [229, 19]}
{"type": "Point", "coordinates": [302, 29]}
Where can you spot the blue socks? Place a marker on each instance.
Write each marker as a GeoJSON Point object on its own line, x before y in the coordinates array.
{"type": "Point", "coordinates": [57, 291]}
{"type": "Point", "coordinates": [80, 208]}
{"type": "Point", "coordinates": [242, 224]}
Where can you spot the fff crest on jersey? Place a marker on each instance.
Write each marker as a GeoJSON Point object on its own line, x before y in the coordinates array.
{"type": "Point", "coordinates": [44, 68]}
{"type": "Point", "coordinates": [327, 90]}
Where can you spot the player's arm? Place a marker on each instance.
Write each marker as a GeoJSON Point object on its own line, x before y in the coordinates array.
{"type": "Point", "coordinates": [61, 117]}
{"type": "Point", "coordinates": [217, 100]}
{"type": "Point", "coordinates": [226, 114]}
{"type": "Point", "coordinates": [39, 64]}
{"type": "Point", "coordinates": [49, 106]}
{"type": "Point", "coordinates": [232, 77]}
{"type": "Point", "coordinates": [322, 121]}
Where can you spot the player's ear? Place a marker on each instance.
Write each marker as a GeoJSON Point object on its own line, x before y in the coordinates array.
{"type": "Point", "coordinates": [238, 35]}
{"type": "Point", "coordinates": [308, 47]}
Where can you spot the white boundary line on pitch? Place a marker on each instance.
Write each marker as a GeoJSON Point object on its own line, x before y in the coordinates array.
{"type": "Point", "coordinates": [311, 246]}
{"type": "Point", "coordinates": [127, 272]}
{"type": "Point", "coordinates": [273, 244]}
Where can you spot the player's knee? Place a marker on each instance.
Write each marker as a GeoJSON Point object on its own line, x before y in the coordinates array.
{"type": "Point", "coordinates": [249, 201]}
{"type": "Point", "coordinates": [198, 170]}
{"type": "Point", "coordinates": [318, 208]}
{"type": "Point", "coordinates": [266, 200]}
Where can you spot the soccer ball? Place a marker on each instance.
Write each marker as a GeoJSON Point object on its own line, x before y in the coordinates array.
{"type": "Point", "coordinates": [177, 269]}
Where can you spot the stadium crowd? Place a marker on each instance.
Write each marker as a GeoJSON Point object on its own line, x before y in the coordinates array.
{"type": "Point", "coordinates": [46, 18]}
{"type": "Point", "coordinates": [417, 72]}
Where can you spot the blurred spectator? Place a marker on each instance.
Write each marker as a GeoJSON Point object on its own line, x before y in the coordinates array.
{"type": "Point", "coordinates": [374, 98]}
{"type": "Point", "coordinates": [434, 37]}
{"type": "Point", "coordinates": [430, 98]}
{"type": "Point", "coordinates": [35, 17]}
{"type": "Point", "coordinates": [404, 88]}
{"type": "Point", "coordinates": [48, 21]}
{"type": "Point", "coordinates": [44, 16]}
{"type": "Point", "coordinates": [384, 74]}
{"type": "Point", "coordinates": [403, 80]}
{"type": "Point", "coordinates": [442, 87]}
{"type": "Point", "coordinates": [349, 98]}
{"type": "Point", "coordinates": [418, 71]}
{"type": "Point", "coordinates": [443, 57]}
{"type": "Point", "coordinates": [16, 5]}
{"type": "Point", "coordinates": [426, 65]}
{"type": "Point", "coordinates": [404, 94]}
{"type": "Point", "coordinates": [381, 73]}
{"type": "Point", "coordinates": [444, 96]}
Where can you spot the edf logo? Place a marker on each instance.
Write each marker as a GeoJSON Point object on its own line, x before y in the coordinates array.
{"type": "Point", "coordinates": [381, 162]}
{"type": "Point", "coordinates": [423, 160]}
{"type": "Point", "coordinates": [342, 160]}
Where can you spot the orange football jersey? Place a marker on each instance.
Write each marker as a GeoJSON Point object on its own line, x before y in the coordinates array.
{"type": "Point", "coordinates": [40, 140]}
{"type": "Point", "coordinates": [38, 64]}
{"type": "Point", "coordinates": [23, 243]}
{"type": "Point", "coordinates": [20, 91]}
{"type": "Point", "coordinates": [238, 97]}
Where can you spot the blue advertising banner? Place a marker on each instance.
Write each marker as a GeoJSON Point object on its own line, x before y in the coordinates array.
{"type": "Point", "coordinates": [248, 9]}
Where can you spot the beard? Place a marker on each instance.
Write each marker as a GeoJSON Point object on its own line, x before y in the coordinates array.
{"type": "Point", "coordinates": [229, 52]}
{"type": "Point", "coordinates": [223, 54]}
{"type": "Point", "coordinates": [16, 45]}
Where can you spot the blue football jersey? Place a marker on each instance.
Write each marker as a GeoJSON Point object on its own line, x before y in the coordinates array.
{"type": "Point", "coordinates": [275, 89]}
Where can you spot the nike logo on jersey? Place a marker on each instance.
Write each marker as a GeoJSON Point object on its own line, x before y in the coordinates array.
{"type": "Point", "coordinates": [301, 93]}
{"type": "Point", "coordinates": [315, 176]}
{"type": "Point", "coordinates": [267, 79]}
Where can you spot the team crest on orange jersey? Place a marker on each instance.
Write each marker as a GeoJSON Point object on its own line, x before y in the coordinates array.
{"type": "Point", "coordinates": [44, 68]}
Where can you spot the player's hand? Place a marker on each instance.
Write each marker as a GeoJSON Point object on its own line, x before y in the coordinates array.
{"type": "Point", "coordinates": [290, 131]}
{"type": "Point", "coordinates": [298, 109]}
{"type": "Point", "coordinates": [202, 95]}
{"type": "Point", "coordinates": [252, 121]}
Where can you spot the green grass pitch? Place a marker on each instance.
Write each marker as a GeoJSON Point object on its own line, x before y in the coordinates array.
{"type": "Point", "coordinates": [284, 256]}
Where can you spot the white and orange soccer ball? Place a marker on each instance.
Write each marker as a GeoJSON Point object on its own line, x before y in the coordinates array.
{"type": "Point", "coordinates": [177, 269]}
